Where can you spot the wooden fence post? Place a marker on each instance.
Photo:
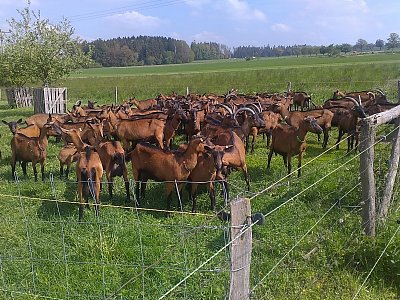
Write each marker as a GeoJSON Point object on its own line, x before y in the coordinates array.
{"type": "Point", "coordinates": [398, 91]}
{"type": "Point", "coordinates": [391, 175]}
{"type": "Point", "coordinates": [240, 250]}
{"type": "Point", "coordinates": [367, 138]}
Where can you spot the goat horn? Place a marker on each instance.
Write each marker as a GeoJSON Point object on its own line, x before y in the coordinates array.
{"type": "Point", "coordinates": [353, 100]}
{"type": "Point", "coordinates": [243, 109]}
{"type": "Point", "coordinates": [226, 107]}
{"type": "Point", "coordinates": [359, 99]}
{"type": "Point", "coordinates": [381, 92]}
{"type": "Point", "coordinates": [256, 108]}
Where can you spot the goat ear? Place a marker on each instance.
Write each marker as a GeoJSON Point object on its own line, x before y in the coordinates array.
{"type": "Point", "coordinates": [4, 122]}
{"type": "Point", "coordinates": [19, 121]}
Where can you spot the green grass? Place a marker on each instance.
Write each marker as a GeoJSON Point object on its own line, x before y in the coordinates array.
{"type": "Point", "coordinates": [45, 252]}
{"type": "Point", "coordinates": [317, 75]}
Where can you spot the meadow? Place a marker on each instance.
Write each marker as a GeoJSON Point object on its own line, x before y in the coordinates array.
{"type": "Point", "coordinates": [312, 247]}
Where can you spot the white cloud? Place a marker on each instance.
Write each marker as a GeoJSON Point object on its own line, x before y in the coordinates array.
{"type": "Point", "coordinates": [241, 10]}
{"type": "Point", "coordinates": [338, 7]}
{"type": "Point", "coordinates": [207, 36]}
{"type": "Point", "coordinates": [280, 27]}
{"type": "Point", "coordinates": [135, 20]}
{"type": "Point", "coordinates": [197, 3]}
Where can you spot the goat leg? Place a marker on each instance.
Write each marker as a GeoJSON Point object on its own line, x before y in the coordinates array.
{"type": "Point", "coordinates": [34, 170]}
{"type": "Point", "coordinates": [23, 166]}
{"type": "Point", "coordinates": [42, 169]}
{"type": "Point", "coordinates": [211, 191]}
{"type": "Point", "coordinates": [61, 170]}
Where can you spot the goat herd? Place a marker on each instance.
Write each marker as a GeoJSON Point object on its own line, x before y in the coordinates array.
{"type": "Point", "coordinates": [101, 139]}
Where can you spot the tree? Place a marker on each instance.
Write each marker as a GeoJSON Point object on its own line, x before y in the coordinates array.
{"type": "Point", "coordinates": [38, 51]}
{"type": "Point", "coordinates": [361, 43]}
{"type": "Point", "coordinates": [346, 48]}
{"type": "Point", "coordinates": [379, 43]}
{"type": "Point", "coordinates": [393, 41]}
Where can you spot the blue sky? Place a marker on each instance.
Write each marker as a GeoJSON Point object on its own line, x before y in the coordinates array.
{"type": "Point", "coordinates": [230, 22]}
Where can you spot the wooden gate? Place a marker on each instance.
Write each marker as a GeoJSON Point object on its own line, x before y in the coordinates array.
{"type": "Point", "coordinates": [19, 97]}
{"type": "Point", "coordinates": [50, 100]}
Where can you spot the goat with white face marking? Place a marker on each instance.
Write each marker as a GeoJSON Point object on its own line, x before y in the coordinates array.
{"type": "Point", "coordinates": [288, 141]}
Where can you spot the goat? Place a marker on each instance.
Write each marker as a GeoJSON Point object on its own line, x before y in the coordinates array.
{"type": "Point", "coordinates": [143, 104]}
{"type": "Point", "coordinates": [249, 122]}
{"type": "Point", "coordinates": [288, 141]}
{"type": "Point", "coordinates": [67, 155]}
{"type": "Point", "coordinates": [30, 149]}
{"type": "Point", "coordinates": [301, 99]}
{"type": "Point", "coordinates": [323, 116]}
{"type": "Point", "coordinates": [207, 170]}
{"type": "Point", "coordinates": [112, 156]}
{"type": "Point", "coordinates": [346, 120]}
{"type": "Point", "coordinates": [89, 170]}
{"type": "Point", "coordinates": [31, 130]}
{"type": "Point", "coordinates": [172, 124]}
{"type": "Point", "coordinates": [143, 128]}
{"type": "Point", "coordinates": [234, 156]}
{"type": "Point", "coordinates": [150, 162]}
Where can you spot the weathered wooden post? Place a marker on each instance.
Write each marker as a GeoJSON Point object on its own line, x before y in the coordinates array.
{"type": "Point", "coordinates": [240, 249]}
{"type": "Point", "coordinates": [391, 175]}
{"type": "Point", "coordinates": [367, 138]}
{"type": "Point", "coordinates": [398, 91]}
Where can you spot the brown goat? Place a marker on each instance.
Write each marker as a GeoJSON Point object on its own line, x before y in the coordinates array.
{"type": "Point", "coordinates": [112, 156]}
{"type": "Point", "coordinates": [30, 149]}
{"type": "Point", "coordinates": [235, 156]}
{"type": "Point", "coordinates": [288, 141]}
{"type": "Point", "coordinates": [67, 155]}
{"type": "Point", "coordinates": [150, 162]}
{"type": "Point", "coordinates": [145, 128]}
{"type": "Point", "coordinates": [30, 130]}
{"type": "Point", "coordinates": [143, 104]}
{"type": "Point", "coordinates": [89, 170]}
{"type": "Point", "coordinates": [207, 170]}
{"type": "Point", "coordinates": [323, 116]}
{"type": "Point", "coordinates": [346, 120]}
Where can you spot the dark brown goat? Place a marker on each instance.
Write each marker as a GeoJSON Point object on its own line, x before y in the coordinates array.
{"type": "Point", "coordinates": [150, 162]}
{"type": "Point", "coordinates": [346, 120]}
{"type": "Point", "coordinates": [288, 141]}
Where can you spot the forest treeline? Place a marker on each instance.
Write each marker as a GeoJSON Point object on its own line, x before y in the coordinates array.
{"type": "Point", "coordinates": [157, 50]}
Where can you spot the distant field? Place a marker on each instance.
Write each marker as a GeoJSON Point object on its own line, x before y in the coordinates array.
{"type": "Point", "coordinates": [240, 65]}
{"type": "Point", "coordinates": [317, 75]}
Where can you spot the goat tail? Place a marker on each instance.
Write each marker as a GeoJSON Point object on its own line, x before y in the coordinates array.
{"type": "Point", "coordinates": [117, 164]}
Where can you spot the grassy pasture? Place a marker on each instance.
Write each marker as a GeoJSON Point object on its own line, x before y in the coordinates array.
{"type": "Point", "coordinates": [44, 252]}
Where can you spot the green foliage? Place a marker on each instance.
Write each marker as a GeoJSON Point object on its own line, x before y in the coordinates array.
{"type": "Point", "coordinates": [141, 50]}
{"type": "Point", "coordinates": [393, 41]}
{"type": "Point", "coordinates": [38, 51]}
